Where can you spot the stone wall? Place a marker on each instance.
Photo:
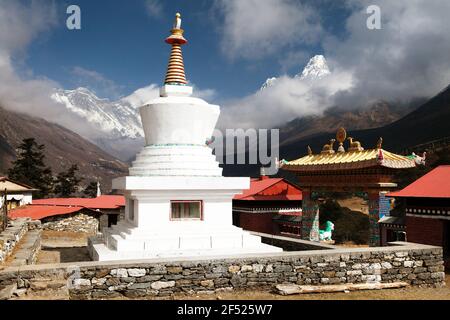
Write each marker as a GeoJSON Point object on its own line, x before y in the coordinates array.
{"type": "Point", "coordinates": [28, 250]}
{"type": "Point", "coordinates": [418, 265]}
{"type": "Point", "coordinates": [13, 234]}
{"type": "Point", "coordinates": [78, 222]}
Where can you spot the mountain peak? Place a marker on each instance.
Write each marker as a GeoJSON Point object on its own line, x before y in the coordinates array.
{"type": "Point", "coordinates": [112, 119]}
{"type": "Point", "coordinates": [82, 89]}
{"type": "Point", "coordinates": [317, 67]}
{"type": "Point", "coordinates": [77, 90]}
{"type": "Point", "coordinates": [269, 83]}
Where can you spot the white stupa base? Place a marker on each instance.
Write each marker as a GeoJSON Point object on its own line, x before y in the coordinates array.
{"type": "Point", "coordinates": [149, 232]}
{"type": "Point", "coordinates": [123, 242]}
{"type": "Point", "coordinates": [176, 160]}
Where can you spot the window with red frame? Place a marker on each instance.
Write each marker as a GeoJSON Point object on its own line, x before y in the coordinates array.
{"type": "Point", "coordinates": [186, 210]}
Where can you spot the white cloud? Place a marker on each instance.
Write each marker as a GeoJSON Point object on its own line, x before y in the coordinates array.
{"type": "Point", "coordinates": [154, 8]}
{"type": "Point", "coordinates": [293, 59]}
{"type": "Point", "coordinates": [20, 90]}
{"type": "Point", "coordinates": [206, 94]}
{"type": "Point", "coordinates": [406, 59]}
{"type": "Point", "coordinates": [97, 82]}
{"type": "Point", "coordinates": [256, 28]}
{"type": "Point", "coordinates": [19, 25]}
{"type": "Point", "coordinates": [143, 95]}
{"type": "Point", "coordinates": [287, 99]}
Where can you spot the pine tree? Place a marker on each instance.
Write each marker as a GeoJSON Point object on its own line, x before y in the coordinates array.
{"type": "Point", "coordinates": [30, 169]}
{"type": "Point", "coordinates": [67, 182]}
{"type": "Point", "coordinates": [91, 190]}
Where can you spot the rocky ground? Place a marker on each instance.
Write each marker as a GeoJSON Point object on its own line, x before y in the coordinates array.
{"type": "Point", "coordinates": [387, 294]}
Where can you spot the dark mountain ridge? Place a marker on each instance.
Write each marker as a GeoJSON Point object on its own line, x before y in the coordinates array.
{"type": "Point", "coordinates": [431, 121]}
{"type": "Point", "coordinates": [63, 148]}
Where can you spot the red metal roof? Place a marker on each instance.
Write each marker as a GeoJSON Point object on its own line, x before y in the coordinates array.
{"type": "Point", "coordinates": [102, 202]}
{"type": "Point", "coordinates": [39, 212]}
{"type": "Point", "coordinates": [270, 189]}
{"type": "Point", "coordinates": [435, 184]}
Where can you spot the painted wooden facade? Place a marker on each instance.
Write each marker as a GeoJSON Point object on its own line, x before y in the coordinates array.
{"type": "Point", "coordinates": [271, 205]}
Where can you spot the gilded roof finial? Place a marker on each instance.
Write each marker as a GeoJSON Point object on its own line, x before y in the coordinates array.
{"type": "Point", "coordinates": [309, 151]}
{"type": "Point", "coordinates": [175, 70]}
{"type": "Point", "coordinates": [329, 148]}
{"type": "Point", "coordinates": [354, 145]}
{"type": "Point", "coordinates": [177, 24]}
{"type": "Point", "coordinates": [341, 135]}
{"type": "Point", "coordinates": [380, 143]}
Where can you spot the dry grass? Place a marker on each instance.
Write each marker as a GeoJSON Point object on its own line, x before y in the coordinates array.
{"type": "Point", "coordinates": [351, 244]}
{"type": "Point", "coordinates": [412, 293]}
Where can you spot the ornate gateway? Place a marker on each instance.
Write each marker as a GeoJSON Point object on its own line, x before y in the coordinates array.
{"type": "Point", "coordinates": [369, 171]}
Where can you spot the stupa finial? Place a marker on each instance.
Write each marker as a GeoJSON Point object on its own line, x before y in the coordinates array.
{"type": "Point", "coordinates": [175, 70]}
{"type": "Point", "coordinates": [177, 24]}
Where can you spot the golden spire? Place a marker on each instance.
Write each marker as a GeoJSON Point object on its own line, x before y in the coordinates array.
{"type": "Point", "coordinates": [341, 135]}
{"type": "Point", "coordinates": [175, 70]}
{"type": "Point", "coordinates": [380, 143]}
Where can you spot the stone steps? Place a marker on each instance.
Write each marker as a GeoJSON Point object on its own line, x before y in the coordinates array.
{"type": "Point", "coordinates": [231, 239]}
{"type": "Point", "coordinates": [27, 249]}
{"type": "Point", "coordinates": [100, 251]}
{"type": "Point", "coordinates": [125, 229]}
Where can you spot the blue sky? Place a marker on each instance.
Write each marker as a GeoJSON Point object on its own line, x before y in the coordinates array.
{"type": "Point", "coordinates": [124, 42]}
{"type": "Point", "coordinates": [235, 45]}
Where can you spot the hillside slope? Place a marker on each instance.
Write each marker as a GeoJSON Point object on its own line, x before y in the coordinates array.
{"type": "Point", "coordinates": [63, 148]}
{"type": "Point", "coordinates": [374, 115]}
{"type": "Point", "coordinates": [431, 121]}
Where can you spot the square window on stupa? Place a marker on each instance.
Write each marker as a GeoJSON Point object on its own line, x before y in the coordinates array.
{"type": "Point", "coordinates": [186, 210]}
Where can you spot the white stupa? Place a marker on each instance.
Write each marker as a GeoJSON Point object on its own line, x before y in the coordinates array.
{"type": "Point", "coordinates": [177, 201]}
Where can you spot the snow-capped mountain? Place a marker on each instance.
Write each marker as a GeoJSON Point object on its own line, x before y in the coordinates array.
{"type": "Point", "coordinates": [316, 68]}
{"type": "Point", "coordinates": [116, 118]}
{"type": "Point", "coordinates": [269, 82]}
{"type": "Point", "coordinates": [114, 126]}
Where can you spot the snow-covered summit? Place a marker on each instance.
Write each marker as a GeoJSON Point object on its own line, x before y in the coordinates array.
{"type": "Point", "coordinates": [316, 68]}
{"type": "Point", "coordinates": [115, 118]}
{"type": "Point", "coordinates": [269, 83]}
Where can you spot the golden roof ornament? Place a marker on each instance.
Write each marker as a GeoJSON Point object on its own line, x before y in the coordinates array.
{"type": "Point", "coordinates": [341, 135]}
{"type": "Point", "coordinates": [175, 71]}
{"type": "Point", "coordinates": [329, 148]}
{"type": "Point", "coordinates": [177, 24]}
{"type": "Point", "coordinates": [380, 143]}
{"type": "Point", "coordinates": [309, 151]}
{"type": "Point", "coordinates": [354, 145]}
